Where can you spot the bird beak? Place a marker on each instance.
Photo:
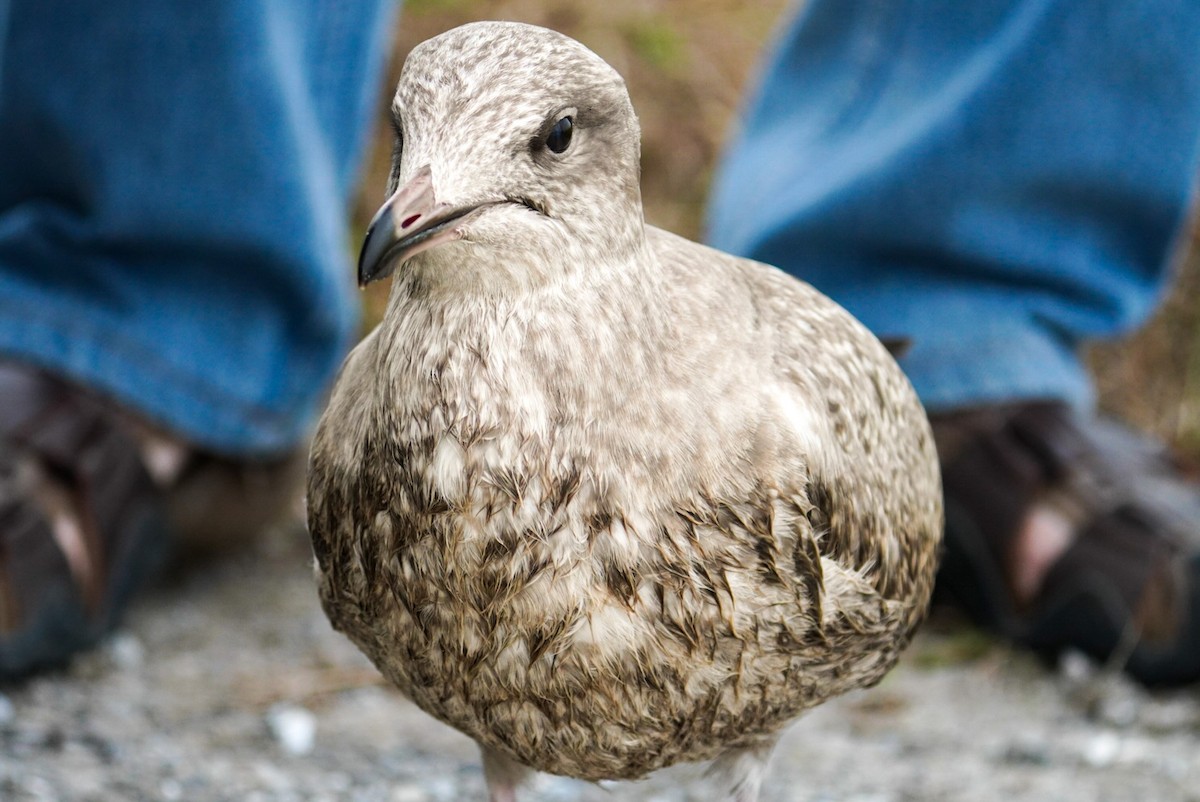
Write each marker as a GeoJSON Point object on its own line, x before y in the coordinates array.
{"type": "Point", "coordinates": [409, 222]}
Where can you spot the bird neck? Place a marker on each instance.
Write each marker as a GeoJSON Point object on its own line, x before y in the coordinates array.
{"type": "Point", "coordinates": [587, 340]}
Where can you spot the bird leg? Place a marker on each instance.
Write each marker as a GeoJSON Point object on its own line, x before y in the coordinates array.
{"type": "Point", "coordinates": [740, 772]}
{"type": "Point", "coordinates": [502, 775]}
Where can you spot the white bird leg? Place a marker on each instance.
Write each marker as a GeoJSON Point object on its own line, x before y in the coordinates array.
{"type": "Point", "coordinates": [740, 772]}
{"type": "Point", "coordinates": [502, 775]}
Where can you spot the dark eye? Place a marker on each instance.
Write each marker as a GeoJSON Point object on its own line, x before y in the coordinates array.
{"type": "Point", "coordinates": [559, 138]}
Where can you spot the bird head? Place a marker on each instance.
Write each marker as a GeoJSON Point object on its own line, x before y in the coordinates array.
{"type": "Point", "coordinates": [516, 148]}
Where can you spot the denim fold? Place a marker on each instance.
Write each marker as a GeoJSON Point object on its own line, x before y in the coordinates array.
{"type": "Point", "coordinates": [998, 181]}
{"type": "Point", "coordinates": [174, 190]}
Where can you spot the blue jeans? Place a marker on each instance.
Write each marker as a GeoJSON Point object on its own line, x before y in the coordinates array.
{"type": "Point", "coordinates": [998, 180]}
{"type": "Point", "coordinates": [174, 180]}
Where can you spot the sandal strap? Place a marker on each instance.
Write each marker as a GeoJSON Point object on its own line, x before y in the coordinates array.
{"type": "Point", "coordinates": [990, 483]}
{"type": "Point", "coordinates": [30, 559]}
{"type": "Point", "coordinates": [77, 441]}
{"type": "Point", "coordinates": [1129, 568]}
{"type": "Point", "coordinates": [1127, 561]}
{"type": "Point", "coordinates": [1125, 552]}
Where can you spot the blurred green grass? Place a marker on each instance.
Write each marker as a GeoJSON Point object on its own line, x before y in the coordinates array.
{"type": "Point", "coordinates": [687, 65]}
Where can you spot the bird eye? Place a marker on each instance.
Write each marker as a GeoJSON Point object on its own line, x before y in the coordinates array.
{"type": "Point", "coordinates": [559, 138]}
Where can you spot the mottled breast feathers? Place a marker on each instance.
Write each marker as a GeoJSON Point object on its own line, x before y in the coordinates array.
{"type": "Point", "coordinates": [507, 557]}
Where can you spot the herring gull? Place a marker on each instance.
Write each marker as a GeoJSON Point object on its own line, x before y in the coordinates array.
{"type": "Point", "coordinates": [600, 497]}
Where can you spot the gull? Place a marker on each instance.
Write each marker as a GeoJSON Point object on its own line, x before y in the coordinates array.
{"type": "Point", "coordinates": [602, 498]}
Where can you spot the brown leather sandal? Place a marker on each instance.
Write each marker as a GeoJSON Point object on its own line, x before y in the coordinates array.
{"type": "Point", "coordinates": [1127, 588]}
{"type": "Point", "coordinates": [81, 523]}
{"type": "Point", "coordinates": [92, 500]}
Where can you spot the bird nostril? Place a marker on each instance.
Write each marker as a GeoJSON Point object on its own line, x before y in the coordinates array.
{"type": "Point", "coordinates": [410, 220]}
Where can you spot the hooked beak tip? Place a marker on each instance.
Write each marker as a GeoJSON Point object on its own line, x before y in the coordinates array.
{"type": "Point", "coordinates": [373, 263]}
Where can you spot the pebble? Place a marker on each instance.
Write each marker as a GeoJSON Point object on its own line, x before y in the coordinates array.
{"type": "Point", "coordinates": [125, 651]}
{"type": "Point", "coordinates": [170, 790]}
{"type": "Point", "coordinates": [1101, 750]}
{"type": "Point", "coordinates": [1075, 666]}
{"type": "Point", "coordinates": [1139, 751]}
{"type": "Point", "coordinates": [1176, 714]}
{"type": "Point", "coordinates": [1027, 751]}
{"type": "Point", "coordinates": [1118, 708]}
{"type": "Point", "coordinates": [408, 793]}
{"type": "Point", "coordinates": [442, 789]}
{"type": "Point", "coordinates": [39, 788]}
{"type": "Point", "coordinates": [294, 728]}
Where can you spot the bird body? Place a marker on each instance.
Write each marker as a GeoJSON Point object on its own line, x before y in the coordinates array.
{"type": "Point", "coordinates": [600, 497]}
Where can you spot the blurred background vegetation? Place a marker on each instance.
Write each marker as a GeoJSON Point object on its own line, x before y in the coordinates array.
{"type": "Point", "coordinates": [688, 64]}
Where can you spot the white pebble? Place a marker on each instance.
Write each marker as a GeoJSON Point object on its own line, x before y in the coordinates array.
{"type": "Point", "coordinates": [170, 790]}
{"type": "Point", "coordinates": [1119, 709]}
{"type": "Point", "coordinates": [295, 728]}
{"type": "Point", "coordinates": [39, 788]}
{"type": "Point", "coordinates": [443, 789]}
{"type": "Point", "coordinates": [125, 651]}
{"type": "Point", "coordinates": [1075, 666]}
{"type": "Point", "coordinates": [1101, 750]}
{"type": "Point", "coordinates": [408, 793]}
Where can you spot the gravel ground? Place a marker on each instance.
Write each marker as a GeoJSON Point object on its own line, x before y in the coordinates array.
{"type": "Point", "coordinates": [228, 684]}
